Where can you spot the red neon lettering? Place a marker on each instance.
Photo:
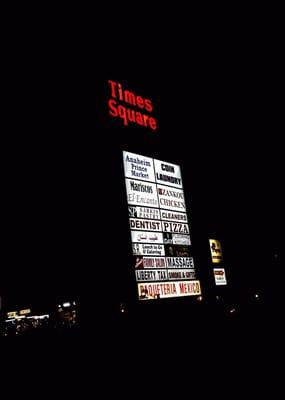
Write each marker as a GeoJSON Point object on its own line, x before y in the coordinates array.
{"type": "Point", "coordinates": [148, 105]}
{"type": "Point", "coordinates": [113, 86]}
{"type": "Point", "coordinates": [113, 111]}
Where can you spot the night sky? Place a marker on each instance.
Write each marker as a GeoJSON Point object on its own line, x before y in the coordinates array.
{"type": "Point", "coordinates": [65, 216]}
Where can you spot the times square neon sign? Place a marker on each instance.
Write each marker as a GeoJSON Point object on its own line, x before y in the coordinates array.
{"type": "Point", "coordinates": [122, 103]}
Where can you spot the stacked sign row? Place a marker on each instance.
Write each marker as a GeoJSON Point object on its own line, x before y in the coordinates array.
{"type": "Point", "coordinates": [159, 228]}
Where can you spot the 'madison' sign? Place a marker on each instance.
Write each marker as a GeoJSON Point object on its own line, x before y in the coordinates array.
{"type": "Point", "coordinates": [130, 107]}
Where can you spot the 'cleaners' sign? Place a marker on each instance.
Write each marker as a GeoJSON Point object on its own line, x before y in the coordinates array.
{"type": "Point", "coordinates": [130, 107]}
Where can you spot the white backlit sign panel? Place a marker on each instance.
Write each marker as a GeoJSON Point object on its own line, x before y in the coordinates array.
{"type": "Point", "coordinates": [160, 234]}
{"type": "Point", "coordinates": [175, 227]}
{"type": "Point", "coordinates": [146, 237]}
{"type": "Point", "coordinates": [167, 173]}
{"type": "Point", "coordinates": [149, 262]}
{"type": "Point", "coordinates": [145, 224]}
{"type": "Point", "coordinates": [173, 216]}
{"type": "Point", "coordinates": [148, 249]}
{"type": "Point", "coordinates": [144, 212]}
{"type": "Point", "coordinates": [175, 274]}
{"type": "Point", "coordinates": [171, 198]}
{"type": "Point", "coordinates": [141, 193]}
{"type": "Point", "coordinates": [220, 276]}
{"type": "Point", "coordinates": [138, 167]}
{"type": "Point", "coordinates": [152, 275]}
{"type": "Point", "coordinates": [180, 262]}
{"type": "Point", "coordinates": [181, 239]}
{"type": "Point", "coordinates": [165, 290]}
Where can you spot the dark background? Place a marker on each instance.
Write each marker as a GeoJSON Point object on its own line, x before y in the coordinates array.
{"type": "Point", "coordinates": [216, 80]}
{"type": "Point", "coordinates": [65, 221]}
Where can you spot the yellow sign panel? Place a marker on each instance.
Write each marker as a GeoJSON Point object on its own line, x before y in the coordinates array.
{"type": "Point", "coordinates": [216, 251]}
{"type": "Point", "coordinates": [12, 314]}
{"type": "Point", "coordinates": [24, 312]}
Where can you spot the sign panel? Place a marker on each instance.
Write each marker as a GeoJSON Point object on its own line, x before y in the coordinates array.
{"type": "Point", "coordinates": [175, 227]}
{"type": "Point", "coordinates": [12, 314]}
{"type": "Point", "coordinates": [146, 237]}
{"type": "Point", "coordinates": [175, 274]}
{"type": "Point", "coordinates": [149, 262]}
{"type": "Point", "coordinates": [168, 289]}
{"type": "Point", "coordinates": [152, 275]}
{"type": "Point", "coordinates": [145, 224]}
{"type": "Point", "coordinates": [175, 238]}
{"type": "Point", "coordinates": [216, 251]}
{"type": "Point", "coordinates": [140, 249]}
{"type": "Point", "coordinates": [138, 167]}
{"type": "Point", "coordinates": [143, 212]}
{"type": "Point", "coordinates": [159, 228]}
{"type": "Point", "coordinates": [173, 216]}
{"type": "Point", "coordinates": [141, 193]}
{"type": "Point", "coordinates": [25, 311]}
{"type": "Point", "coordinates": [180, 262]}
{"type": "Point", "coordinates": [181, 239]}
{"type": "Point", "coordinates": [171, 198]}
{"type": "Point", "coordinates": [220, 276]}
{"type": "Point", "coordinates": [177, 250]}
{"type": "Point", "coordinates": [168, 174]}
